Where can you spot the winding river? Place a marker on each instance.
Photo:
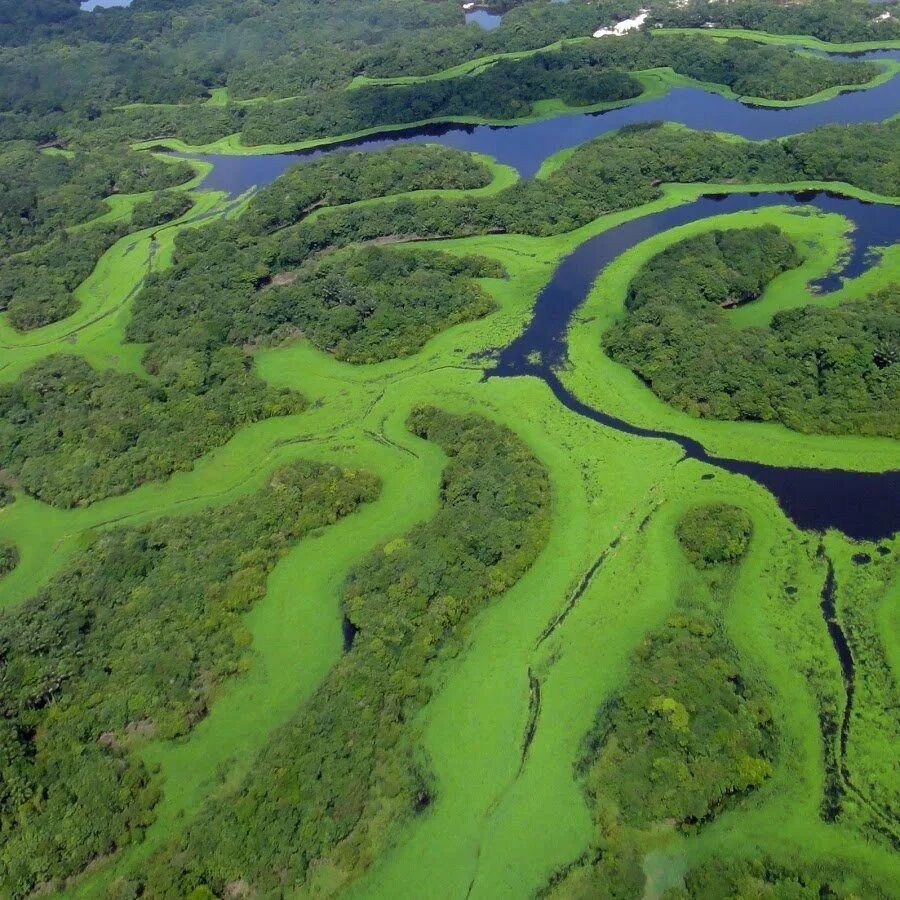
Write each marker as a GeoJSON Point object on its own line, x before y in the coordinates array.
{"type": "Point", "coordinates": [525, 147]}
{"type": "Point", "coordinates": [862, 505]}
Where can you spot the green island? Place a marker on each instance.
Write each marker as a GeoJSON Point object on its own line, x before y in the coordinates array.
{"type": "Point", "coordinates": [388, 522]}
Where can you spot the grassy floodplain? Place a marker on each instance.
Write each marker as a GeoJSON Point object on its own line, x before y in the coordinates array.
{"type": "Point", "coordinates": [508, 811]}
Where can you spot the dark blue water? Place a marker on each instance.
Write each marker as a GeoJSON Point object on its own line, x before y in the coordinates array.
{"type": "Point", "coordinates": [525, 147]}
{"type": "Point", "coordinates": [862, 505]}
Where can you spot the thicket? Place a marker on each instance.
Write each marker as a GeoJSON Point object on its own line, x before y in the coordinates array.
{"type": "Point", "coordinates": [71, 435]}
{"type": "Point", "coordinates": [829, 20]}
{"type": "Point", "coordinates": [59, 67]}
{"type": "Point", "coordinates": [506, 90]}
{"type": "Point", "coordinates": [9, 557]}
{"type": "Point", "coordinates": [129, 644]}
{"type": "Point", "coordinates": [714, 534]}
{"type": "Point", "coordinates": [813, 369]}
{"type": "Point", "coordinates": [371, 305]}
{"type": "Point", "coordinates": [766, 878]}
{"type": "Point", "coordinates": [346, 176]}
{"type": "Point", "coordinates": [37, 287]}
{"type": "Point", "coordinates": [42, 193]}
{"type": "Point", "coordinates": [160, 208]}
{"type": "Point", "coordinates": [326, 783]}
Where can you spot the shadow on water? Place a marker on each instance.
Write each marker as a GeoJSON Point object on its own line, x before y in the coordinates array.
{"type": "Point", "coordinates": [863, 505]}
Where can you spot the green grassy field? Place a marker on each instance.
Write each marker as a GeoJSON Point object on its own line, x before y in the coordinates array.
{"type": "Point", "coordinates": [508, 814]}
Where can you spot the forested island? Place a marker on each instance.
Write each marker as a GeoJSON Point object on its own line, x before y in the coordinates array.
{"type": "Point", "coordinates": [399, 523]}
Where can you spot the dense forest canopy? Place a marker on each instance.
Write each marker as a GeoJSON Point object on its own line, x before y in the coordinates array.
{"type": "Point", "coordinates": [71, 728]}
{"type": "Point", "coordinates": [829, 20]}
{"type": "Point", "coordinates": [814, 369]}
{"type": "Point", "coordinates": [580, 74]}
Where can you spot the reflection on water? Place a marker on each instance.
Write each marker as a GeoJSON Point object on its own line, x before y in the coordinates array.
{"type": "Point", "coordinates": [486, 20]}
{"type": "Point", "coordinates": [88, 5]}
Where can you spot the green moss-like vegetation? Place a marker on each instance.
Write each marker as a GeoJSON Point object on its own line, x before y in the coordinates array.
{"type": "Point", "coordinates": [374, 304]}
{"type": "Point", "coordinates": [131, 642]}
{"type": "Point", "coordinates": [72, 435]}
{"type": "Point", "coordinates": [715, 534]}
{"type": "Point", "coordinates": [827, 370]}
{"type": "Point", "coordinates": [345, 762]}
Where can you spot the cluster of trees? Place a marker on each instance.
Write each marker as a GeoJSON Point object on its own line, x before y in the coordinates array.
{"type": "Point", "coordinates": [829, 20]}
{"type": "Point", "coordinates": [327, 782]}
{"type": "Point", "coordinates": [750, 69]}
{"type": "Point", "coordinates": [348, 176]}
{"type": "Point", "coordinates": [714, 534]}
{"type": "Point", "coordinates": [628, 167]}
{"type": "Point", "coordinates": [770, 880]}
{"type": "Point", "coordinates": [683, 740]}
{"type": "Point", "coordinates": [370, 305]}
{"type": "Point", "coordinates": [814, 369]}
{"type": "Point", "coordinates": [682, 737]}
{"type": "Point", "coordinates": [162, 207]}
{"type": "Point", "coordinates": [71, 435]}
{"type": "Point", "coordinates": [9, 557]}
{"type": "Point", "coordinates": [42, 195]}
{"type": "Point", "coordinates": [506, 90]}
{"type": "Point", "coordinates": [37, 286]}
{"type": "Point", "coordinates": [86, 678]}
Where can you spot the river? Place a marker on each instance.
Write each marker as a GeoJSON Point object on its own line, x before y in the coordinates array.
{"type": "Point", "coordinates": [862, 505]}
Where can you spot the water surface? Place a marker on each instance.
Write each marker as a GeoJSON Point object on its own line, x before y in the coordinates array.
{"type": "Point", "coordinates": [865, 506]}
{"type": "Point", "coordinates": [484, 19]}
{"type": "Point", "coordinates": [525, 147]}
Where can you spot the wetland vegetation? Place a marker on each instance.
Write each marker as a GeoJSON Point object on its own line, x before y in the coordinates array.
{"type": "Point", "coordinates": [295, 601]}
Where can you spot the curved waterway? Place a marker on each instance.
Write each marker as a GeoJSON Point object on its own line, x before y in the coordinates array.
{"type": "Point", "coordinates": [525, 147]}
{"type": "Point", "coordinates": [863, 505]}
